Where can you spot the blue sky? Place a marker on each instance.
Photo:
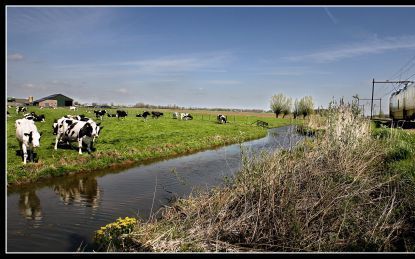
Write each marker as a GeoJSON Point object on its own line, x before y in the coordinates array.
{"type": "Point", "coordinates": [234, 57]}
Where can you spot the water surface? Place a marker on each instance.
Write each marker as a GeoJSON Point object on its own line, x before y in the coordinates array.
{"type": "Point", "coordinates": [62, 213]}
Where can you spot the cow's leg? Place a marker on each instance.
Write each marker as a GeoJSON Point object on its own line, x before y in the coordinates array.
{"type": "Point", "coordinates": [24, 148]}
{"type": "Point", "coordinates": [80, 145]}
{"type": "Point", "coordinates": [58, 137]}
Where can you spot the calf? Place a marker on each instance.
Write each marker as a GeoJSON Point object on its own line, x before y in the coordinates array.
{"type": "Point", "coordinates": [100, 113]}
{"type": "Point", "coordinates": [20, 109]}
{"type": "Point", "coordinates": [72, 108]}
{"type": "Point", "coordinates": [28, 137]}
{"type": "Point", "coordinates": [121, 114]}
{"type": "Point", "coordinates": [71, 130]}
{"type": "Point", "coordinates": [221, 118]}
{"type": "Point", "coordinates": [156, 114]}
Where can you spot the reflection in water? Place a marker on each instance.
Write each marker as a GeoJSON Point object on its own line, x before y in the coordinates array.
{"type": "Point", "coordinates": [138, 191]}
{"type": "Point", "coordinates": [29, 205]}
{"type": "Point", "coordinates": [82, 191]}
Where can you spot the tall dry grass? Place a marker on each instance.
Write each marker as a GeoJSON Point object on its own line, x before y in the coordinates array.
{"type": "Point", "coordinates": [329, 194]}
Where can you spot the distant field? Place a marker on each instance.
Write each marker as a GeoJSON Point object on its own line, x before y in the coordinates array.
{"type": "Point", "coordinates": [130, 140]}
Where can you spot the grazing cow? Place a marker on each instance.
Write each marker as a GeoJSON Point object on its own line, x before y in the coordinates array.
{"type": "Point", "coordinates": [186, 116]}
{"type": "Point", "coordinates": [175, 115]}
{"type": "Point", "coordinates": [156, 114]}
{"type": "Point", "coordinates": [71, 130]}
{"type": "Point", "coordinates": [143, 115]}
{"type": "Point", "coordinates": [121, 114]}
{"type": "Point", "coordinates": [20, 109]}
{"type": "Point", "coordinates": [59, 124]}
{"type": "Point", "coordinates": [100, 113]}
{"type": "Point", "coordinates": [221, 118]}
{"type": "Point", "coordinates": [73, 108]}
{"type": "Point", "coordinates": [28, 137]}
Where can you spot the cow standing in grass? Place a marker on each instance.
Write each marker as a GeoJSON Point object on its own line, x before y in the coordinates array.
{"type": "Point", "coordinates": [221, 118]}
{"type": "Point", "coordinates": [156, 115]}
{"type": "Point", "coordinates": [20, 109]}
{"type": "Point", "coordinates": [73, 130]}
{"type": "Point", "coordinates": [81, 129]}
{"type": "Point", "coordinates": [28, 137]}
{"type": "Point", "coordinates": [100, 113]}
{"type": "Point", "coordinates": [121, 114]}
{"type": "Point", "coordinates": [143, 115]}
{"type": "Point", "coordinates": [176, 115]}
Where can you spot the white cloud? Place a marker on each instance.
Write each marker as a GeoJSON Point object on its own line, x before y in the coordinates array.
{"type": "Point", "coordinates": [331, 16]}
{"type": "Point", "coordinates": [15, 57]}
{"type": "Point", "coordinates": [373, 46]}
{"type": "Point", "coordinates": [208, 62]}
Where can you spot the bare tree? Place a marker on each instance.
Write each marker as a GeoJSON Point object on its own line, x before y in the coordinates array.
{"type": "Point", "coordinates": [306, 106]}
{"type": "Point", "coordinates": [279, 103]}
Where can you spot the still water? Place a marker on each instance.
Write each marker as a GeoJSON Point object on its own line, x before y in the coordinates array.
{"type": "Point", "coordinates": [61, 214]}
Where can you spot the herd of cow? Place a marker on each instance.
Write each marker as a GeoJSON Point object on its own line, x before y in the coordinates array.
{"type": "Point", "coordinates": [70, 128]}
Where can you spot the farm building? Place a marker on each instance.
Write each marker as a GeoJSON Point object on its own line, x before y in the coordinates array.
{"type": "Point", "coordinates": [54, 100]}
{"type": "Point", "coordinates": [12, 101]}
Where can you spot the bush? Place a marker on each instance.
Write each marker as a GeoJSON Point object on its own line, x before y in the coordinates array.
{"type": "Point", "coordinates": [111, 234]}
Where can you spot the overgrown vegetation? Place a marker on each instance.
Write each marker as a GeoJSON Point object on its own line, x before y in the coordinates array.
{"type": "Point", "coordinates": [348, 189]}
{"type": "Point", "coordinates": [128, 141]}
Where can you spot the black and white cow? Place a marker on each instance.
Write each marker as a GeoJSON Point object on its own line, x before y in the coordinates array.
{"type": "Point", "coordinates": [100, 113]}
{"type": "Point", "coordinates": [28, 137]}
{"type": "Point", "coordinates": [20, 109]}
{"type": "Point", "coordinates": [59, 124]}
{"type": "Point", "coordinates": [121, 114]}
{"type": "Point", "coordinates": [143, 115]}
{"type": "Point", "coordinates": [221, 118]}
{"type": "Point", "coordinates": [186, 116]}
{"type": "Point", "coordinates": [156, 115]}
{"type": "Point", "coordinates": [176, 115]}
{"type": "Point", "coordinates": [70, 130]}
{"type": "Point", "coordinates": [33, 116]}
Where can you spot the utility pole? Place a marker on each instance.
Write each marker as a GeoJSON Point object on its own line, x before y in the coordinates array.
{"type": "Point", "coordinates": [383, 82]}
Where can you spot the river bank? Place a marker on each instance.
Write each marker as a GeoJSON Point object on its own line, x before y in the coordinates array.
{"type": "Point", "coordinates": [344, 191]}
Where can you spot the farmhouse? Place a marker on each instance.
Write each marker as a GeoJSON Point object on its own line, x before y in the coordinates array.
{"type": "Point", "coordinates": [54, 100]}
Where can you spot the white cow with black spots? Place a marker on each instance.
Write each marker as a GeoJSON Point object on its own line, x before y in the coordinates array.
{"type": "Point", "coordinates": [28, 137]}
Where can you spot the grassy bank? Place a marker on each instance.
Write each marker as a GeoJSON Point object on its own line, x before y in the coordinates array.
{"type": "Point", "coordinates": [128, 141]}
{"type": "Point", "coordinates": [349, 189]}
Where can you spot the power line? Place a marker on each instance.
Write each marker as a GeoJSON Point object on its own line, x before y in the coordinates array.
{"type": "Point", "coordinates": [401, 69]}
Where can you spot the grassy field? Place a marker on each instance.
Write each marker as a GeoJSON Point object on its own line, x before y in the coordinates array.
{"type": "Point", "coordinates": [130, 140]}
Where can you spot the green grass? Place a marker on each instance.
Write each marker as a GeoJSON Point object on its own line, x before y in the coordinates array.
{"type": "Point", "coordinates": [130, 140]}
